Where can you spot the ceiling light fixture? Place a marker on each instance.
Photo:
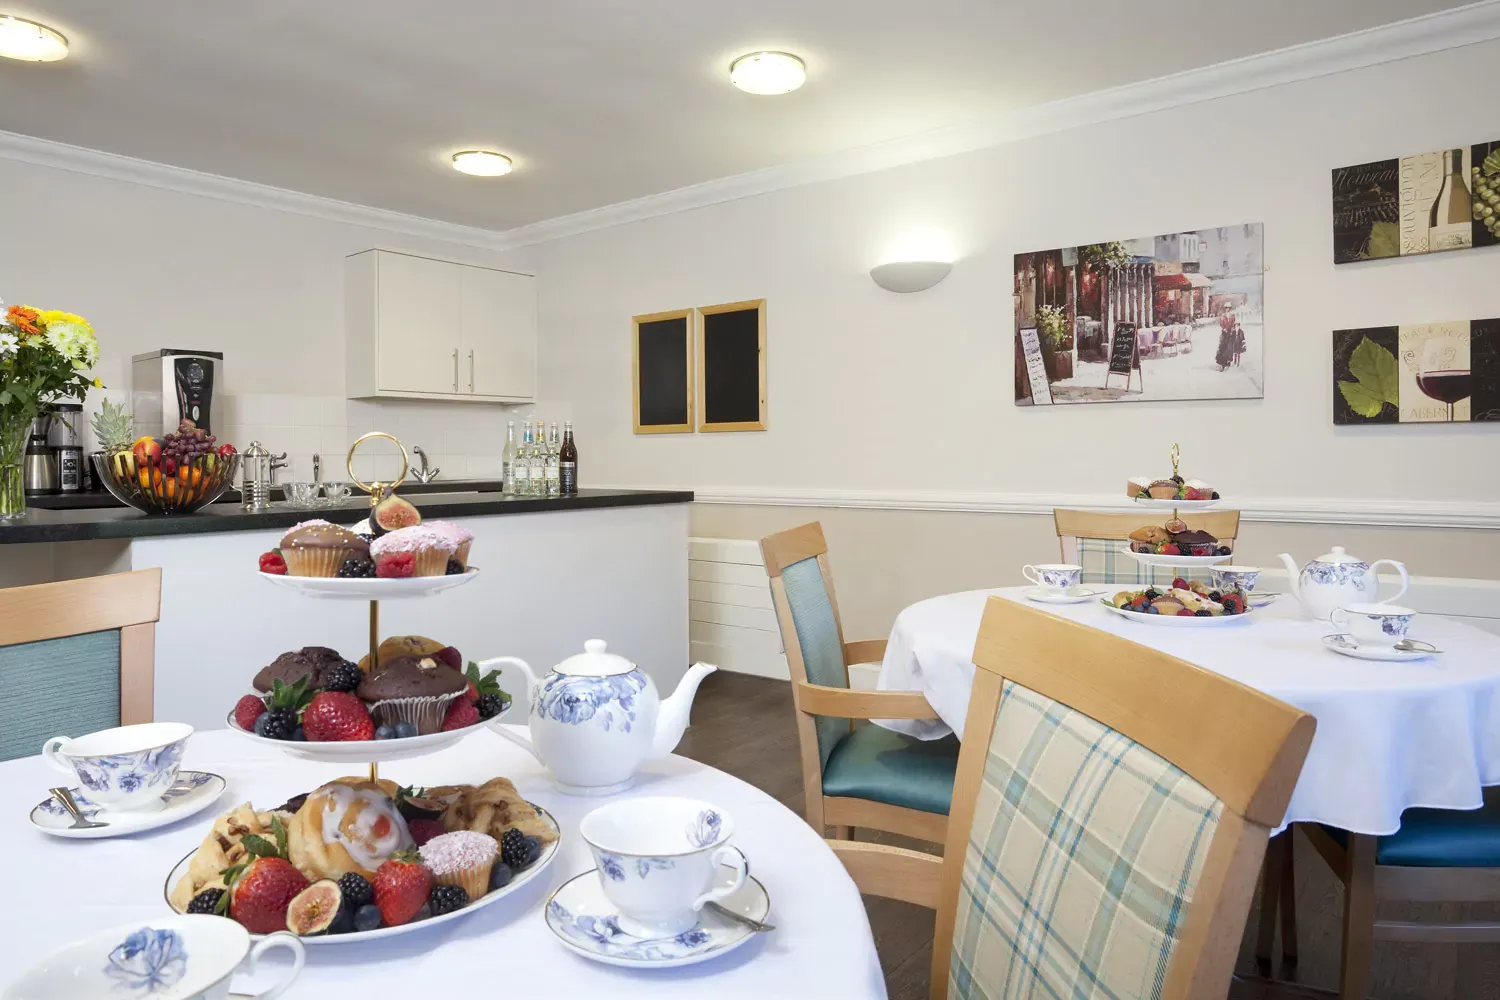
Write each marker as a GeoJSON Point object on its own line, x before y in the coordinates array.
{"type": "Point", "coordinates": [30, 41]}
{"type": "Point", "coordinates": [767, 73]}
{"type": "Point", "coordinates": [482, 163]}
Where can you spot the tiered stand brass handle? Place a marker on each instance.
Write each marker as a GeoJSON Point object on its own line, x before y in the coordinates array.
{"type": "Point", "coordinates": [378, 491]}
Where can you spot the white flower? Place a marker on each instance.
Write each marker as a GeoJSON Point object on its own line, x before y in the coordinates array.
{"type": "Point", "coordinates": [8, 343]}
{"type": "Point", "coordinates": [74, 342]}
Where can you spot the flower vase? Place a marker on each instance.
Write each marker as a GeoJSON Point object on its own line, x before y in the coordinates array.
{"type": "Point", "coordinates": [14, 432]}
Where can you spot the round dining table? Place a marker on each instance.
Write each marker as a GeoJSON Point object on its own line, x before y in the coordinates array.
{"type": "Point", "coordinates": [1390, 735]}
{"type": "Point", "coordinates": [60, 890]}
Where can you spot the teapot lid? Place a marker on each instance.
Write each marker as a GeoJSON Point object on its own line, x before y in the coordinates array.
{"type": "Point", "coordinates": [595, 662]}
{"type": "Point", "coordinates": [1338, 555]}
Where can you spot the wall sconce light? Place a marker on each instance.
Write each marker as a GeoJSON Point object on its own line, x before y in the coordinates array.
{"type": "Point", "coordinates": [910, 275]}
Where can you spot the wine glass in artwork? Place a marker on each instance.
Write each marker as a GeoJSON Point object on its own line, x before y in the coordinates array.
{"type": "Point", "coordinates": [1439, 374]}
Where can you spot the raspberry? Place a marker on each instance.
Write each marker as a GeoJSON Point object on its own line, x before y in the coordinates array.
{"type": "Point", "coordinates": [423, 830]}
{"type": "Point", "coordinates": [271, 562]}
{"type": "Point", "coordinates": [396, 564]}
{"type": "Point", "coordinates": [247, 710]}
{"type": "Point", "coordinates": [1184, 611]}
{"type": "Point", "coordinates": [1179, 584]}
{"type": "Point", "coordinates": [461, 714]}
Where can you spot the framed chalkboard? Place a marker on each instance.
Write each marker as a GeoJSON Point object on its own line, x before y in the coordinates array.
{"type": "Point", "coordinates": [1124, 355]}
{"type": "Point", "coordinates": [732, 366]}
{"type": "Point", "coordinates": [661, 372]}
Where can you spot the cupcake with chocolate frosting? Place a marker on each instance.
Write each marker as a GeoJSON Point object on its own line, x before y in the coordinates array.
{"type": "Point", "coordinates": [312, 662]}
{"type": "Point", "coordinates": [317, 548]}
{"type": "Point", "coordinates": [415, 689]}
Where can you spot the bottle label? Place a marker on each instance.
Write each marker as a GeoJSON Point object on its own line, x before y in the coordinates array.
{"type": "Point", "coordinates": [1458, 236]}
{"type": "Point", "coordinates": [569, 477]}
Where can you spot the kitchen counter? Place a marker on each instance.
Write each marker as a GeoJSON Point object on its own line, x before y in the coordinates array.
{"type": "Point", "coordinates": [102, 499]}
{"type": "Point", "coordinates": [70, 525]}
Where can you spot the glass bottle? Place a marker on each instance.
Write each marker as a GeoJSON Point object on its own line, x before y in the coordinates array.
{"type": "Point", "coordinates": [508, 460]}
{"type": "Point", "coordinates": [522, 462]}
{"type": "Point", "coordinates": [567, 462]}
{"type": "Point", "coordinates": [553, 477]}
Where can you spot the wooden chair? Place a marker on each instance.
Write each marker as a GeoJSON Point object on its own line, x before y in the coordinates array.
{"type": "Point", "coordinates": [76, 657]}
{"type": "Point", "coordinates": [1438, 856]}
{"type": "Point", "coordinates": [1093, 540]}
{"type": "Point", "coordinates": [1110, 811]}
{"type": "Point", "coordinates": [853, 776]}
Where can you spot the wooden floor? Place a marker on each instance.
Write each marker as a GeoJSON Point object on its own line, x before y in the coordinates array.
{"type": "Point", "coordinates": [745, 725]}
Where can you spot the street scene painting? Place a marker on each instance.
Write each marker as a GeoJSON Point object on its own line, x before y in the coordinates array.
{"type": "Point", "coordinates": [1176, 316]}
{"type": "Point", "coordinates": [1418, 374]}
{"type": "Point", "coordinates": [1448, 199]}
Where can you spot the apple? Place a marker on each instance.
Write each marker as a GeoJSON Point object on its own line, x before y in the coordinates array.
{"type": "Point", "coordinates": [147, 451]}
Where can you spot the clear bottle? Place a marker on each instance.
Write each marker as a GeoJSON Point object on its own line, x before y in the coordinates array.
{"type": "Point", "coordinates": [568, 462]}
{"type": "Point", "coordinates": [554, 471]}
{"type": "Point", "coordinates": [521, 465]}
{"type": "Point", "coordinates": [536, 485]}
{"type": "Point", "coordinates": [508, 459]}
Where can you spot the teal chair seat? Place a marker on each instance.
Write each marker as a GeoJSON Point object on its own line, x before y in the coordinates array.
{"type": "Point", "coordinates": [57, 687]}
{"type": "Point", "coordinates": [877, 764]}
{"type": "Point", "coordinates": [1442, 838]}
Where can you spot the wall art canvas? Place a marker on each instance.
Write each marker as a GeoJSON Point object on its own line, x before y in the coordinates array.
{"type": "Point", "coordinates": [1418, 374]}
{"type": "Point", "coordinates": [1448, 199]}
{"type": "Point", "coordinates": [1176, 316]}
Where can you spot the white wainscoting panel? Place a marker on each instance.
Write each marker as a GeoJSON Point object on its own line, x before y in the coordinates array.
{"type": "Point", "coordinates": [730, 618]}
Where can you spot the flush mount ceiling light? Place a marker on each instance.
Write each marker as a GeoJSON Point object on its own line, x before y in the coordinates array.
{"type": "Point", "coordinates": [30, 41]}
{"type": "Point", "coordinates": [910, 275]}
{"type": "Point", "coordinates": [767, 73]}
{"type": "Point", "coordinates": [481, 163]}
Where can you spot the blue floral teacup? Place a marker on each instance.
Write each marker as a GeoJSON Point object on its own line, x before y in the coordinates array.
{"type": "Point", "coordinates": [1054, 578]}
{"type": "Point", "coordinates": [657, 859]}
{"type": "Point", "coordinates": [189, 957]}
{"type": "Point", "coordinates": [127, 769]}
{"type": "Point", "coordinates": [1374, 624]}
{"type": "Point", "coordinates": [1229, 578]}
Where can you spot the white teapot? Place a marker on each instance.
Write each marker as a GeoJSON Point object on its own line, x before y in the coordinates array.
{"type": "Point", "coordinates": [1336, 580]}
{"type": "Point", "coordinates": [596, 717]}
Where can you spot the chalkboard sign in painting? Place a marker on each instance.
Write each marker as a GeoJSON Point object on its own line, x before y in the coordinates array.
{"type": "Point", "coordinates": [661, 377]}
{"type": "Point", "coordinates": [1191, 302]}
{"type": "Point", "coordinates": [1035, 369]}
{"type": "Point", "coordinates": [1421, 373]}
{"type": "Point", "coordinates": [1443, 200]}
{"type": "Point", "coordinates": [732, 366]}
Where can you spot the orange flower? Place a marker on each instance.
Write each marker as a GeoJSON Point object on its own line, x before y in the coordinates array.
{"type": "Point", "coordinates": [23, 318]}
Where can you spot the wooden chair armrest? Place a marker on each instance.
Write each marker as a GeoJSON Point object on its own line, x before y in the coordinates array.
{"type": "Point", "coordinates": [842, 703]}
{"type": "Point", "coordinates": [892, 872]}
{"type": "Point", "coordinates": [864, 651]}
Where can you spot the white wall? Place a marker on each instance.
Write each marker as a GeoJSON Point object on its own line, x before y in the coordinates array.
{"type": "Point", "coordinates": [874, 391]}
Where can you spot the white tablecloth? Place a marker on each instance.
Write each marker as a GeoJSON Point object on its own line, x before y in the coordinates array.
{"type": "Point", "coordinates": [1390, 735]}
{"type": "Point", "coordinates": [63, 889]}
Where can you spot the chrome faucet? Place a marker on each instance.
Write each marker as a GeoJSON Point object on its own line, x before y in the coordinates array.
{"type": "Point", "coordinates": [317, 468]}
{"type": "Point", "coordinates": [424, 474]}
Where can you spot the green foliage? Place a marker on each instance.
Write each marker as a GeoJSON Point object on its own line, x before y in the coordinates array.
{"type": "Point", "coordinates": [1376, 379]}
{"type": "Point", "coordinates": [1103, 255]}
{"type": "Point", "coordinates": [1052, 325]}
{"type": "Point", "coordinates": [1385, 240]}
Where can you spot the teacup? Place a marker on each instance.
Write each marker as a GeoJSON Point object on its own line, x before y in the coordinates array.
{"type": "Point", "coordinates": [1054, 578]}
{"type": "Point", "coordinates": [127, 769]}
{"type": "Point", "coordinates": [1374, 624]}
{"type": "Point", "coordinates": [1227, 578]}
{"type": "Point", "coordinates": [657, 859]}
{"type": "Point", "coordinates": [188, 957]}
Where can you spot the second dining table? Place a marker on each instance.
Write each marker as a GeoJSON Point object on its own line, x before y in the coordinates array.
{"type": "Point", "coordinates": [1390, 736]}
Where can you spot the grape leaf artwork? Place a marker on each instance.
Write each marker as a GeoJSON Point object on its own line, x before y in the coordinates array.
{"type": "Point", "coordinates": [1420, 373]}
{"type": "Point", "coordinates": [1375, 383]}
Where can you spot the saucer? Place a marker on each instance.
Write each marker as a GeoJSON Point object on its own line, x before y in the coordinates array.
{"type": "Point", "coordinates": [193, 792]}
{"type": "Point", "coordinates": [587, 923]}
{"type": "Point", "coordinates": [1075, 595]}
{"type": "Point", "coordinates": [1343, 643]}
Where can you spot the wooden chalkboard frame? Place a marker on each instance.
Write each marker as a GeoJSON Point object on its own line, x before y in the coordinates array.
{"type": "Point", "coordinates": [1133, 364]}
{"type": "Point", "coordinates": [759, 424]}
{"type": "Point", "coordinates": [687, 315]}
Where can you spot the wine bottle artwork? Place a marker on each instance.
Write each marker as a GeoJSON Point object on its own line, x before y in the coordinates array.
{"type": "Point", "coordinates": [1450, 222]}
{"type": "Point", "coordinates": [1444, 199]}
{"type": "Point", "coordinates": [1447, 372]}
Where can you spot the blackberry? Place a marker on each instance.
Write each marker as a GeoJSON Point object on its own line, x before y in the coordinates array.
{"type": "Point", "coordinates": [356, 890]}
{"type": "Point", "coordinates": [446, 899]}
{"type": "Point", "coordinates": [1216, 496]}
{"type": "Point", "coordinates": [343, 677]}
{"type": "Point", "coordinates": [455, 568]}
{"type": "Point", "coordinates": [276, 725]}
{"type": "Point", "coordinates": [490, 705]}
{"type": "Point", "coordinates": [206, 901]}
{"type": "Point", "coordinates": [1203, 613]}
{"type": "Point", "coordinates": [1177, 480]}
{"type": "Point", "coordinates": [357, 567]}
{"type": "Point", "coordinates": [513, 848]}
{"type": "Point", "coordinates": [1214, 595]}
{"type": "Point", "coordinates": [1152, 594]}
{"type": "Point", "coordinates": [1224, 550]}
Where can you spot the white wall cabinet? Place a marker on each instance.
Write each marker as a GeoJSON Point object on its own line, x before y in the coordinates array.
{"type": "Point", "coordinates": [420, 328]}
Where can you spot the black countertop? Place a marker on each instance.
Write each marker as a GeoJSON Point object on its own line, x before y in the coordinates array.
{"type": "Point", "coordinates": [99, 498]}
{"type": "Point", "coordinates": [42, 525]}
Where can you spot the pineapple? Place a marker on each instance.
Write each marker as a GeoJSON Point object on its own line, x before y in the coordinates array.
{"type": "Point", "coordinates": [113, 428]}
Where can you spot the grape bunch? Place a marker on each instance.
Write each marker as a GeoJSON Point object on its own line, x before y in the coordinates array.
{"type": "Point", "coordinates": [1487, 193]}
{"type": "Point", "coordinates": [188, 442]}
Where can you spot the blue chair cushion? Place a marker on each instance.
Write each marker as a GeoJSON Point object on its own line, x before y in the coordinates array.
{"type": "Point", "coordinates": [818, 640]}
{"type": "Point", "coordinates": [57, 687]}
{"type": "Point", "coordinates": [882, 766]}
{"type": "Point", "coordinates": [1443, 838]}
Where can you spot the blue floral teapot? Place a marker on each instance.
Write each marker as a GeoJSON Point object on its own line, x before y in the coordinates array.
{"type": "Point", "coordinates": [596, 717]}
{"type": "Point", "coordinates": [1337, 579]}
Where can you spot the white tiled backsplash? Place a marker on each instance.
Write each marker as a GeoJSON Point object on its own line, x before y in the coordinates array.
{"type": "Point", "coordinates": [464, 440]}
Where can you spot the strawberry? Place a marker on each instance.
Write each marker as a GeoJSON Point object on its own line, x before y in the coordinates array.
{"type": "Point", "coordinates": [225, 450]}
{"type": "Point", "coordinates": [401, 886]}
{"type": "Point", "coordinates": [1179, 584]}
{"type": "Point", "coordinates": [1185, 611]}
{"type": "Point", "coordinates": [396, 565]}
{"type": "Point", "coordinates": [452, 657]}
{"type": "Point", "coordinates": [461, 714]}
{"type": "Point", "coordinates": [337, 716]}
{"type": "Point", "coordinates": [262, 889]}
{"type": "Point", "coordinates": [247, 710]}
{"type": "Point", "coordinates": [1170, 549]}
{"type": "Point", "coordinates": [423, 830]}
{"type": "Point", "coordinates": [271, 562]}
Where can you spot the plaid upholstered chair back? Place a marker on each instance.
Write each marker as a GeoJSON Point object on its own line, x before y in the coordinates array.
{"type": "Point", "coordinates": [1096, 541]}
{"type": "Point", "coordinates": [1110, 814]}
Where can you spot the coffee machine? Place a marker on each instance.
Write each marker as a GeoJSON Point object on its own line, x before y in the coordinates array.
{"type": "Point", "coordinates": [170, 386]}
{"type": "Point", "coordinates": [39, 477]}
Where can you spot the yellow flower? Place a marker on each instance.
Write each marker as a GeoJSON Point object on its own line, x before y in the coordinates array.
{"type": "Point", "coordinates": [49, 316]}
{"type": "Point", "coordinates": [98, 384]}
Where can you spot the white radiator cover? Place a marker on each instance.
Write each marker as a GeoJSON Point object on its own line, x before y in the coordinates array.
{"type": "Point", "coordinates": [730, 618]}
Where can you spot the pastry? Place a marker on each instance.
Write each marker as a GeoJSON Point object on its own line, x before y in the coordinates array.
{"type": "Point", "coordinates": [1195, 543]}
{"type": "Point", "coordinates": [1194, 601]}
{"type": "Point", "coordinates": [401, 645]}
{"type": "Point", "coordinates": [309, 661]}
{"type": "Point", "coordinates": [1136, 486]}
{"type": "Point", "coordinates": [461, 537]}
{"type": "Point", "coordinates": [221, 848]}
{"type": "Point", "coordinates": [430, 549]}
{"type": "Point", "coordinates": [1162, 489]}
{"type": "Point", "coordinates": [1150, 534]}
{"type": "Point", "coordinates": [317, 548]}
{"type": "Point", "coordinates": [462, 858]}
{"type": "Point", "coordinates": [349, 825]}
{"type": "Point", "coordinates": [491, 808]}
{"type": "Point", "coordinates": [414, 689]}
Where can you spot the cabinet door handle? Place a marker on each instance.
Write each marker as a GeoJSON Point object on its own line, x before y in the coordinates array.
{"type": "Point", "coordinates": [471, 369]}
{"type": "Point", "coordinates": [455, 369]}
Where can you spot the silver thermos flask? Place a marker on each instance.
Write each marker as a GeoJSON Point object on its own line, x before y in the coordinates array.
{"type": "Point", "coordinates": [39, 477]}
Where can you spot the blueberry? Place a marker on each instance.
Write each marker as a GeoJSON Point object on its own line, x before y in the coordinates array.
{"type": "Point", "coordinates": [298, 735]}
{"type": "Point", "coordinates": [384, 733]}
{"type": "Point", "coordinates": [367, 917]}
{"type": "Point", "coordinates": [500, 875]}
{"type": "Point", "coordinates": [422, 914]}
{"type": "Point", "coordinates": [260, 723]}
{"type": "Point", "coordinates": [1153, 610]}
{"type": "Point", "coordinates": [404, 730]}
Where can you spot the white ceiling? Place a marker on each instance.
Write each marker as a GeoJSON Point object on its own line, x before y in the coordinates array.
{"type": "Point", "coordinates": [598, 101]}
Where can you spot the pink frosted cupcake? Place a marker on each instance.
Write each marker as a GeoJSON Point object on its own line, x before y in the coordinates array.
{"type": "Point", "coordinates": [430, 549]}
{"type": "Point", "coordinates": [461, 536]}
{"type": "Point", "coordinates": [462, 858]}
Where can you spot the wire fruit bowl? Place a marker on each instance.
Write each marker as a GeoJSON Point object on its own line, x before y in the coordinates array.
{"type": "Point", "coordinates": [197, 482]}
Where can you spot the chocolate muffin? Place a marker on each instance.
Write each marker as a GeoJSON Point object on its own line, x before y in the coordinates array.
{"type": "Point", "coordinates": [309, 661]}
{"type": "Point", "coordinates": [1195, 543]}
{"type": "Point", "coordinates": [317, 548]}
{"type": "Point", "coordinates": [415, 689]}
